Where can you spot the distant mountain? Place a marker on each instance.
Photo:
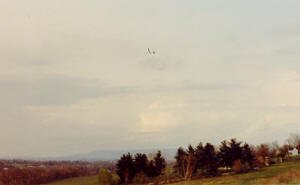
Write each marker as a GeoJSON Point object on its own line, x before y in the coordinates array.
{"type": "Point", "coordinates": [112, 155]}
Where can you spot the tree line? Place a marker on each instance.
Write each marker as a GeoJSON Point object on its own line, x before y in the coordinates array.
{"type": "Point", "coordinates": [23, 172]}
{"type": "Point", "coordinates": [230, 156]}
{"type": "Point", "coordinates": [139, 167]}
{"type": "Point", "coordinates": [39, 175]}
{"type": "Point", "coordinates": [205, 160]}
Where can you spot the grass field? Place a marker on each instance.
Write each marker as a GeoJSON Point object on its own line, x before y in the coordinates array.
{"type": "Point", "coordinates": [88, 180]}
{"type": "Point", "coordinates": [285, 173]}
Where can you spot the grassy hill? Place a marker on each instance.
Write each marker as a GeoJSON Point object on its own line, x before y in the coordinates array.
{"type": "Point", "coordinates": [277, 174]}
{"type": "Point", "coordinates": [88, 180]}
{"type": "Point", "coordinates": [285, 173]}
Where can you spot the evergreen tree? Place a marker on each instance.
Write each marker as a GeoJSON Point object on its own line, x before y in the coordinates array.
{"type": "Point", "coordinates": [140, 163]}
{"type": "Point", "coordinates": [151, 169]}
{"type": "Point", "coordinates": [247, 155]}
{"type": "Point", "coordinates": [224, 154]}
{"type": "Point", "coordinates": [210, 160]}
{"type": "Point", "coordinates": [229, 152]}
{"type": "Point", "coordinates": [125, 168]}
{"type": "Point", "coordinates": [159, 162]}
{"type": "Point", "coordinates": [180, 161]}
{"type": "Point", "coordinates": [235, 150]}
{"type": "Point", "coordinates": [199, 156]}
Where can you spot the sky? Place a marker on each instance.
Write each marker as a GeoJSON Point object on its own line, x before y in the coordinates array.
{"type": "Point", "coordinates": [75, 76]}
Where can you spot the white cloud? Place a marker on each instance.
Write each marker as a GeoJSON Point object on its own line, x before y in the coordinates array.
{"type": "Point", "coordinates": [159, 116]}
{"type": "Point", "coordinates": [74, 75]}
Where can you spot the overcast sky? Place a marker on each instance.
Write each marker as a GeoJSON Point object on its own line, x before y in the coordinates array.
{"type": "Point", "coordinates": [75, 77]}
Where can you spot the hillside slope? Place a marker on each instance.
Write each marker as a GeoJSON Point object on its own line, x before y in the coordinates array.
{"type": "Point", "coordinates": [285, 173]}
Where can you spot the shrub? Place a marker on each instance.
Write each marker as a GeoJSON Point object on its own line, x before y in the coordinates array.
{"type": "Point", "coordinates": [140, 178]}
{"type": "Point", "coordinates": [237, 166]}
{"type": "Point", "coordinates": [115, 179]}
{"type": "Point", "coordinates": [105, 177]}
{"type": "Point", "coordinates": [240, 167]}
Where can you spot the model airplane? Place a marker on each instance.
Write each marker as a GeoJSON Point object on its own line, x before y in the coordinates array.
{"type": "Point", "coordinates": [150, 52]}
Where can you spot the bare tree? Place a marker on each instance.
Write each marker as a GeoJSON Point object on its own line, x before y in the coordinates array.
{"type": "Point", "coordinates": [294, 141]}
{"type": "Point", "coordinates": [190, 164]}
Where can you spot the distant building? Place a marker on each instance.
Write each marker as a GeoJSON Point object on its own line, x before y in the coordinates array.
{"type": "Point", "coordinates": [293, 152]}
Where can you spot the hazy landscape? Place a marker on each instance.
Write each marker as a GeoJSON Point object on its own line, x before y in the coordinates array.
{"type": "Point", "coordinates": [278, 174]}
{"type": "Point", "coordinates": [149, 92]}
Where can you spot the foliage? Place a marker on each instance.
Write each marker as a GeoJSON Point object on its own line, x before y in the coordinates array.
{"type": "Point", "coordinates": [125, 168]}
{"type": "Point", "coordinates": [262, 155]}
{"type": "Point", "coordinates": [210, 160]}
{"type": "Point", "coordinates": [229, 152]}
{"type": "Point", "coordinates": [38, 175]}
{"type": "Point", "coordinates": [200, 156]}
{"type": "Point", "coordinates": [140, 178]}
{"type": "Point", "coordinates": [270, 175]}
{"type": "Point", "coordinates": [248, 155]}
{"type": "Point", "coordinates": [232, 151]}
{"type": "Point", "coordinates": [115, 179]}
{"type": "Point", "coordinates": [140, 163]}
{"type": "Point", "coordinates": [151, 170]}
{"type": "Point", "coordinates": [160, 163]}
{"type": "Point", "coordinates": [138, 168]}
{"type": "Point", "coordinates": [283, 151]}
{"type": "Point", "coordinates": [191, 163]}
{"type": "Point", "coordinates": [294, 141]}
{"type": "Point", "coordinates": [240, 167]}
{"type": "Point", "coordinates": [105, 177]}
{"type": "Point", "coordinates": [263, 176]}
{"type": "Point", "coordinates": [237, 166]}
{"type": "Point", "coordinates": [180, 162]}
{"type": "Point", "coordinates": [203, 158]}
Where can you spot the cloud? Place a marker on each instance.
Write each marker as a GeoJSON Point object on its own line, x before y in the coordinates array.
{"type": "Point", "coordinates": [159, 116]}
{"type": "Point", "coordinates": [76, 76]}
{"type": "Point", "coordinates": [157, 121]}
{"type": "Point", "coordinates": [160, 63]}
{"type": "Point", "coordinates": [56, 89]}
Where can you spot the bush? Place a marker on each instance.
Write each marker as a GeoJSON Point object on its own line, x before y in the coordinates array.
{"type": "Point", "coordinates": [105, 177]}
{"type": "Point", "coordinates": [115, 179]}
{"type": "Point", "coordinates": [240, 167]}
{"type": "Point", "coordinates": [140, 178]}
{"type": "Point", "coordinates": [237, 166]}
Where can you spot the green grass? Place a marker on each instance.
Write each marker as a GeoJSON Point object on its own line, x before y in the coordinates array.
{"type": "Point", "coordinates": [264, 176]}
{"type": "Point", "coordinates": [268, 175]}
{"type": "Point", "coordinates": [88, 180]}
